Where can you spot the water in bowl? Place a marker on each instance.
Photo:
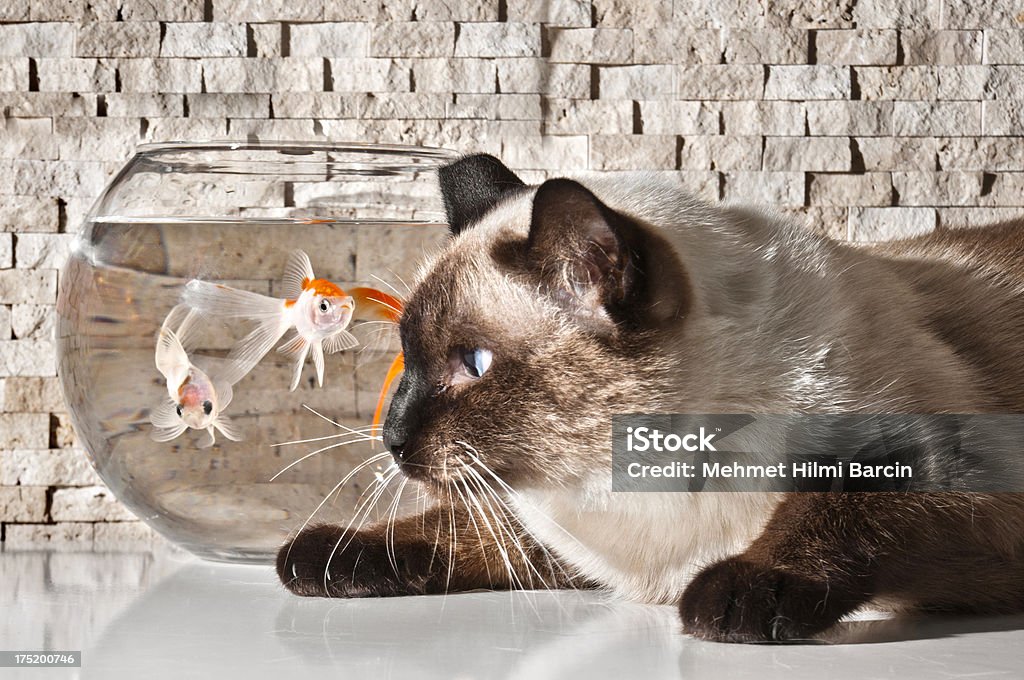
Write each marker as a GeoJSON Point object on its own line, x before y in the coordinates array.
{"type": "Point", "coordinates": [231, 501]}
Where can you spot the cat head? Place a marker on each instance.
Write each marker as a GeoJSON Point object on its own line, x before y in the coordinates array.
{"type": "Point", "coordinates": [539, 320]}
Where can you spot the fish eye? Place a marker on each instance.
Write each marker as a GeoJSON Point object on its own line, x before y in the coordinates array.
{"type": "Point", "coordinates": [207, 407]}
{"type": "Point", "coordinates": [178, 409]}
{"type": "Point", "coordinates": [325, 306]}
{"type": "Point", "coordinates": [477, 361]}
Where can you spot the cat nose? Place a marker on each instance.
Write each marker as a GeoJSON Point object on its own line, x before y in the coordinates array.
{"type": "Point", "coordinates": [395, 446]}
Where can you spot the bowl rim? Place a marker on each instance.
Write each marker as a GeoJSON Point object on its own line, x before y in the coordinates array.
{"type": "Point", "coordinates": [421, 151]}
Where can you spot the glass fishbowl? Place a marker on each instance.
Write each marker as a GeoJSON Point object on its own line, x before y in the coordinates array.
{"type": "Point", "coordinates": [229, 218]}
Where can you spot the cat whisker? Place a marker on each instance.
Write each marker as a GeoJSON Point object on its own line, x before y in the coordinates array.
{"type": "Point", "coordinates": [394, 290]}
{"type": "Point", "coordinates": [335, 445]}
{"type": "Point", "coordinates": [337, 487]}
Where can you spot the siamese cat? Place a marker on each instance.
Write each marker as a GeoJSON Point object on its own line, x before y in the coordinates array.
{"type": "Point", "coordinates": [554, 307]}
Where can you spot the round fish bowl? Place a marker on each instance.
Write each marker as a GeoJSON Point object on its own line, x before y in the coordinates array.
{"type": "Point", "coordinates": [213, 287]}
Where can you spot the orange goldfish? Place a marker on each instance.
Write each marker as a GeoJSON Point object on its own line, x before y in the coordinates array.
{"type": "Point", "coordinates": [319, 311]}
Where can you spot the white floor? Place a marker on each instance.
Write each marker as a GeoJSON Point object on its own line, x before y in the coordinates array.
{"type": "Point", "coordinates": [172, 616]}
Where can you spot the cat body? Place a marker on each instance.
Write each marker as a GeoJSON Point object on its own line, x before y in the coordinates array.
{"type": "Point", "coordinates": [610, 297]}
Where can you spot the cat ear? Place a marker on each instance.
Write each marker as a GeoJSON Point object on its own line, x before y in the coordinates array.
{"type": "Point", "coordinates": [472, 185]}
{"type": "Point", "coordinates": [587, 250]}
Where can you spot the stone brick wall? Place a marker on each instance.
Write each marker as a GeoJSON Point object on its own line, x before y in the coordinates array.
{"type": "Point", "coordinates": [868, 118]}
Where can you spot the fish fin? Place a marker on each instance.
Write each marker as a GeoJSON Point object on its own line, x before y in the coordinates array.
{"type": "Point", "coordinates": [297, 347]}
{"type": "Point", "coordinates": [219, 301]}
{"type": "Point", "coordinates": [317, 350]}
{"type": "Point", "coordinates": [396, 367]}
{"type": "Point", "coordinates": [375, 305]}
{"type": "Point", "coordinates": [252, 348]}
{"type": "Point", "coordinates": [297, 272]}
{"type": "Point", "coordinates": [171, 359]}
{"type": "Point", "coordinates": [339, 342]}
{"type": "Point", "coordinates": [187, 331]}
{"type": "Point", "coordinates": [224, 394]}
{"type": "Point", "coordinates": [211, 439]}
{"type": "Point", "coordinates": [227, 428]}
{"type": "Point", "coordinates": [164, 416]}
{"type": "Point", "coordinates": [166, 434]}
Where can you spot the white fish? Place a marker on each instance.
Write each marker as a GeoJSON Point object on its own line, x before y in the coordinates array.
{"type": "Point", "coordinates": [196, 399]}
{"type": "Point", "coordinates": [317, 309]}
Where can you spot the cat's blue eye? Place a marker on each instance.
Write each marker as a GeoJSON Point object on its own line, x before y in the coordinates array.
{"type": "Point", "coordinates": [477, 361]}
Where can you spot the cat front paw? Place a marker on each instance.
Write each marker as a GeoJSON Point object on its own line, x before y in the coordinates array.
{"type": "Point", "coordinates": [327, 561]}
{"type": "Point", "coordinates": [740, 601]}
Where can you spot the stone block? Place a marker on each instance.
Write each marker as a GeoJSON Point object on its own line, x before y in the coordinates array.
{"type": "Point", "coordinates": [32, 321]}
{"type": "Point", "coordinates": [32, 286]}
{"type": "Point", "coordinates": [37, 40]}
{"type": "Point", "coordinates": [23, 430]}
{"type": "Point", "coordinates": [22, 504]}
{"type": "Point", "coordinates": [32, 395]}
{"type": "Point", "coordinates": [590, 45]}
{"type": "Point", "coordinates": [666, 117]}
{"type": "Point", "coordinates": [937, 188]}
{"type": "Point", "coordinates": [720, 153]}
{"type": "Point", "coordinates": [720, 81]}
{"type": "Point", "coordinates": [897, 82]}
{"type": "Point", "coordinates": [342, 39]}
{"type": "Point", "coordinates": [884, 224]}
{"type": "Point", "coordinates": [783, 118]}
{"type": "Point", "coordinates": [778, 46]}
{"type": "Point", "coordinates": [810, 154]}
{"type": "Point", "coordinates": [87, 504]}
{"type": "Point", "coordinates": [922, 46]}
{"type": "Point", "coordinates": [506, 39]}
{"type": "Point", "coordinates": [76, 75]}
{"type": "Point", "coordinates": [550, 153]}
{"type": "Point", "coordinates": [570, 81]}
{"type": "Point", "coordinates": [632, 152]}
{"type": "Point", "coordinates": [849, 118]}
{"type": "Point", "coordinates": [673, 44]}
{"type": "Point", "coordinates": [807, 82]}
{"type": "Point", "coordinates": [161, 75]}
{"type": "Point", "coordinates": [928, 119]}
{"type": "Point", "coordinates": [275, 10]}
{"type": "Point", "coordinates": [412, 39]}
{"type": "Point", "coordinates": [551, 12]}
{"type": "Point", "coordinates": [764, 188]}
{"type": "Point", "coordinates": [636, 82]}
{"type": "Point", "coordinates": [203, 40]}
{"type": "Point", "coordinates": [62, 537]}
{"type": "Point", "coordinates": [454, 75]}
{"type": "Point", "coordinates": [118, 39]}
{"type": "Point", "coordinates": [42, 467]}
{"type": "Point", "coordinates": [887, 153]}
{"type": "Point", "coordinates": [828, 189]}
{"type": "Point", "coordinates": [860, 46]}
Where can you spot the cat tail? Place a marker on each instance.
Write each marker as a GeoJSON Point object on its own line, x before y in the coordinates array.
{"type": "Point", "coordinates": [221, 301]}
{"type": "Point", "coordinates": [296, 349]}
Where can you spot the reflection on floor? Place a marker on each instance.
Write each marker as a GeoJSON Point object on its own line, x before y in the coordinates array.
{"type": "Point", "coordinates": [169, 615]}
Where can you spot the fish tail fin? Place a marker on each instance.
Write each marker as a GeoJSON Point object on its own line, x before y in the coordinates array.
{"type": "Point", "coordinates": [396, 367]}
{"type": "Point", "coordinates": [171, 358]}
{"type": "Point", "coordinates": [376, 305]}
{"type": "Point", "coordinates": [298, 349]}
{"type": "Point", "coordinates": [220, 301]}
